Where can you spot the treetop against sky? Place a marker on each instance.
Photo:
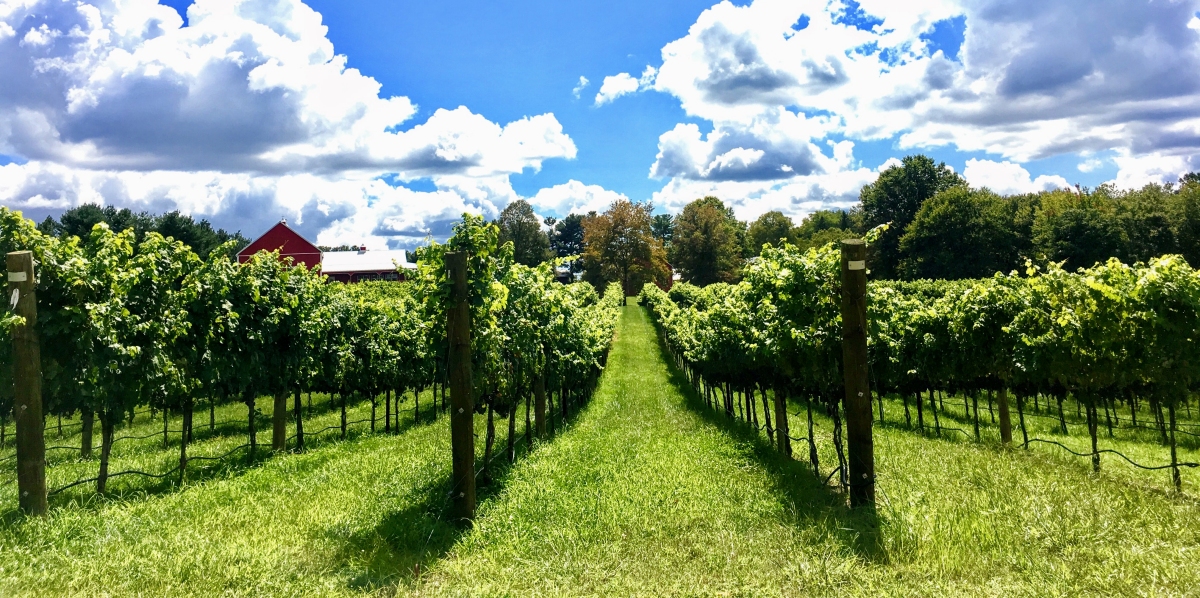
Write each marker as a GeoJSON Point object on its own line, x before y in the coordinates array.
{"type": "Point", "coordinates": [382, 122]}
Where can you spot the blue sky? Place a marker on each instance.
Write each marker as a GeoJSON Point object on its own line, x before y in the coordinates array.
{"type": "Point", "coordinates": [507, 60]}
{"type": "Point", "coordinates": [380, 122]}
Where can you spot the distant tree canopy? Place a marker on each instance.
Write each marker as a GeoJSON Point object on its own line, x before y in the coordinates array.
{"type": "Point", "coordinates": [620, 247]}
{"type": "Point", "coordinates": [961, 233]}
{"type": "Point", "coordinates": [663, 229]}
{"type": "Point", "coordinates": [829, 226]}
{"type": "Point", "coordinates": [708, 243]}
{"type": "Point", "coordinates": [566, 235]}
{"type": "Point", "coordinates": [940, 228]}
{"type": "Point", "coordinates": [896, 197]}
{"type": "Point", "coordinates": [200, 236]}
{"type": "Point", "coordinates": [967, 233]}
{"type": "Point", "coordinates": [520, 226]}
{"type": "Point", "coordinates": [1081, 229]}
{"type": "Point", "coordinates": [771, 228]}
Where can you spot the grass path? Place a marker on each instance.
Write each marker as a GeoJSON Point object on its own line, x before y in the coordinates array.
{"type": "Point", "coordinates": [650, 493]}
{"type": "Point", "coordinates": [646, 496]}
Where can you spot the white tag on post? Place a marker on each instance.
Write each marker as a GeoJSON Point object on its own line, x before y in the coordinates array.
{"type": "Point", "coordinates": [16, 296]}
{"type": "Point", "coordinates": [858, 265]}
{"type": "Point", "coordinates": [17, 277]}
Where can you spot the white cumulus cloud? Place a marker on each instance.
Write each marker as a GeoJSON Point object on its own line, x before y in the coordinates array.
{"type": "Point", "coordinates": [1031, 79]}
{"type": "Point", "coordinates": [616, 86]}
{"type": "Point", "coordinates": [574, 197]}
{"type": "Point", "coordinates": [244, 116]}
{"type": "Point", "coordinates": [1161, 168]}
{"type": "Point", "coordinates": [579, 87]}
{"type": "Point", "coordinates": [1007, 178]}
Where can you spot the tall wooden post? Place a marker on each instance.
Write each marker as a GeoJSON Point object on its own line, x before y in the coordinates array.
{"type": "Point", "coordinates": [279, 422]}
{"type": "Point", "coordinates": [299, 423]}
{"type": "Point", "coordinates": [860, 446]}
{"type": "Point", "coordinates": [1005, 417]}
{"type": "Point", "coordinates": [782, 426]}
{"type": "Point", "coordinates": [462, 401]}
{"type": "Point", "coordinates": [539, 412]}
{"type": "Point", "coordinates": [27, 386]}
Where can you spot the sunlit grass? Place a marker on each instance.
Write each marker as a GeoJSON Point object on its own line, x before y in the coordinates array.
{"type": "Point", "coordinates": [654, 494]}
{"type": "Point", "coordinates": [294, 524]}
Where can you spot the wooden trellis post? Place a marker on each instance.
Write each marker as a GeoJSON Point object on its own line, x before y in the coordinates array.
{"type": "Point", "coordinates": [27, 386]}
{"type": "Point", "coordinates": [462, 402]}
{"type": "Point", "coordinates": [859, 443]}
{"type": "Point", "coordinates": [539, 413]}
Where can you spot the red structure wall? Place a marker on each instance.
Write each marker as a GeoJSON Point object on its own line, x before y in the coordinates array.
{"type": "Point", "coordinates": [288, 242]}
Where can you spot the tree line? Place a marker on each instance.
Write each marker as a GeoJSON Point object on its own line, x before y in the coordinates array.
{"type": "Point", "coordinates": [200, 235]}
{"type": "Point", "coordinates": [939, 227]}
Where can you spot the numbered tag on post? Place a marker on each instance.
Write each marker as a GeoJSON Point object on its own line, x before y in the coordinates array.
{"type": "Point", "coordinates": [858, 265]}
{"type": "Point", "coordinates": [17, 277]}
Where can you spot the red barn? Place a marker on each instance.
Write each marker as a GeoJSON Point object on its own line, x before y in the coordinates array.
{"type": "Point", "coordinates": [288, 242]}
{"type": "Point", "coordinates": [340, 266]}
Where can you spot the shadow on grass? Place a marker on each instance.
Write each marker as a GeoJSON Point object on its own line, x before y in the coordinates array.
{"type": "Point", "coordinates": [236, 461]}
{"type": "Point", "coordinates": [812, 502]}
{"type": "Point", "coordinates": [958, 425]}
{"type": "Point", "coordinates": [410, 540]}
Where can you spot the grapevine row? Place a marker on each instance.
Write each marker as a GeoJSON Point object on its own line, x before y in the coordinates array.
{"type": "Point", "coordinates": [126, 325]}
{"type": "Point", "coordinates": [1105, 336]}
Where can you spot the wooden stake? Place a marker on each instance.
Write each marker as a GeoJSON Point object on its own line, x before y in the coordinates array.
{"type": "Point", "coordinates": [1005, 419]}
{"type": "Point", "coordinates": [1175, 479]}
{"type": "Point", "coordinates": [859, 443]}
{"type": "Point", "coordinates": [88, 419]}
{"type": "Point", "coordinates": [539, 411]}
{"type": "Point", "coordinates": [279, 422]}
{"type": "Point", "coordinates": [299, 422]}
{"type": "Point", "coordinates": [462, 400]}
{"type": "Point", "coordinates": [27, 386]}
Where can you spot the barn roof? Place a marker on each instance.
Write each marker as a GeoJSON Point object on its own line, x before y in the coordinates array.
{"type": "Point", "coordinates": [335, 262]}
{"type": "Point", "coordinates": [289, 243]}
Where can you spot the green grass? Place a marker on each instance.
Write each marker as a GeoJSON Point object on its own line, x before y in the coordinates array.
{"type": "Point", "coordinates": [647, 492]}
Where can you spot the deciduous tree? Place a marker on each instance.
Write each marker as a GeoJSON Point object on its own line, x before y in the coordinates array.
{"type": "Point", "coordinates": [705, 248]}
{"type": "Point", "coordinates": [771, 228]}
{"type": "Point", "coordinates": [519, 226]}
{"type": "Point", "coordinates": [620, 247]}
{"type": "Point", "coordinates": [896, 197]}
{"type": "Point", "coordinates": [961, 233]}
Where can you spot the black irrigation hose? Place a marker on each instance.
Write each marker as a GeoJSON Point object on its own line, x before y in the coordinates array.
{"type": "Point", "coordinates": [1156, 430]}
{"type": "Point", "coordinates": [64, 448]}
{"type": "Point", "coordinates": [1131, 461]}
{"type": "Point", "coordinates": [142, 473]}
{"type": "Point", "coordinates": [151, 435]}
{"type": "Point", "coordinates": [218, 458]}
{"type": "Point", "coordinates": [1080, 423]}
{"type": "Point", "coordinates": [333, 427]}
{"type": "Point", "coordinates": [516, 443]}
{"type": "Point", "coordinates": [963, 432]}
{"type": "Point", "coordinates": [96, 448]}
{"type": "Point", "coordinates": [113, 475]}
{"type": "Point", "coordinates": [831, 474]}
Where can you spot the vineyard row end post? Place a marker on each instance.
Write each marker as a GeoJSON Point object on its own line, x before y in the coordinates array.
{"type": "Point", "coordinates": [462, 402]}
{"type": "Point", "coordinates": [27, 386]}
{"type": "Point", "coordinates": [859, 443]}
